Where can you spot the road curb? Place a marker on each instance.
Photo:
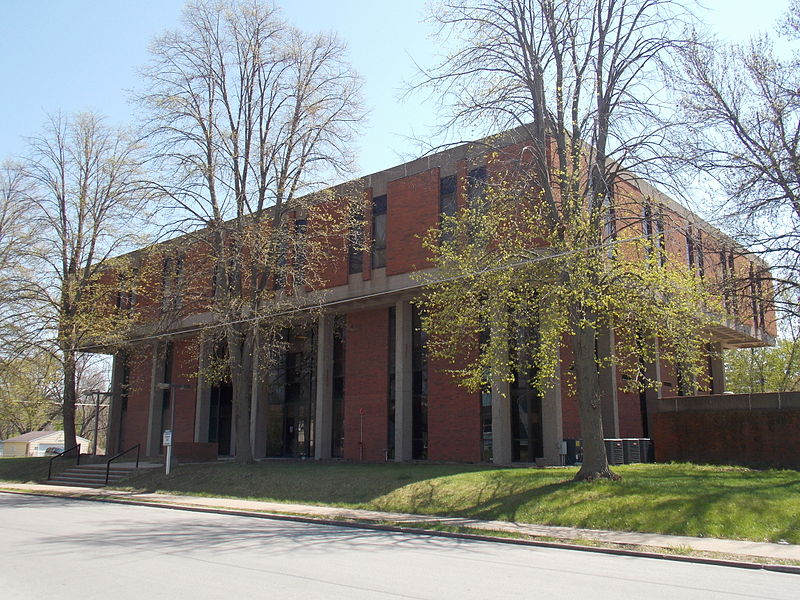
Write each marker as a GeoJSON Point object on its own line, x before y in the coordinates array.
{"type": "Point", "coordinates": [356, 524]}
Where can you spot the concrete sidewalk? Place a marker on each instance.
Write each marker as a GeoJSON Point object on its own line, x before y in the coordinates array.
{"type": "Point", "coordinates": [738, 550]}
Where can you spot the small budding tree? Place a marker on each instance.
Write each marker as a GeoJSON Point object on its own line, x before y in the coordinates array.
{"type": "Point", "coordinates": [535, 262]}
{"type": "Point", "coordinates": [87, 200]}
{"type": "Point", "coordinates": [527, 290]}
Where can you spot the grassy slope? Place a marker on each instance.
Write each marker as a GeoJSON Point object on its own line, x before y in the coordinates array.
{"type": "Point", "coordinates": [23, 470]}
{"type": "Point", "coordinates": [675, 499]}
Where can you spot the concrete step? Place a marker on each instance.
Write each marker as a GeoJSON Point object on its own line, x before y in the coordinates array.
{"type": "Point", "coordinates": [91, 475]}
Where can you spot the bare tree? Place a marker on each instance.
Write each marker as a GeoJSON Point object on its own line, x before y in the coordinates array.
{"type": "Point", "coordinates": [87, 202]}
{"type": "Point", "coordinates": [581, 80]}
{"type": "Point", "coordinates": [16, 327]}
{"type": "Point", "coordinates": [743, 104]}
{"type": "Point", "coordinates": [248, 114]}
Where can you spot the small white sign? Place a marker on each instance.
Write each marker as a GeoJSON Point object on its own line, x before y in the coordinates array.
{"type": "Point", "coordinates": [167, 438]}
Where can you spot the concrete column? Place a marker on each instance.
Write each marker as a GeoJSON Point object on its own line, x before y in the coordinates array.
{"type": "Point", "coordinates": [203, 395]}
{"type": "Point", "coordinates": [552, 421]}
{"type": "Point", "coordinates": [403, 415]}
{"type": "Point", "coordinates": [115, 410]}
{"type": "Point", "coordinates": [608, 384]}
{"type": "Point", "coordinates": [501, 396]}
{"type": "Point", "coordinates": [156, 399]}
{"type": "Point", "coordinates": [717, 367]}
{"type": "Point", "coordinates": [323, 422]}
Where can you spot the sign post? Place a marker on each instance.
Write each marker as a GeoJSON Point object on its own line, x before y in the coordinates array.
{"type": "Point", "coordinates": [167, 441]}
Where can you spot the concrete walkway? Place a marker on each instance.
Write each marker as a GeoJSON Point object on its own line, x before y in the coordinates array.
{"type": "Point", "coordinates": [738, 550]}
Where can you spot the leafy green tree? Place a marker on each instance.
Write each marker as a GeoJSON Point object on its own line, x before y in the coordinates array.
{"type": "Point", "coordinates": [29, 394]}
{"type": "Point", "coordinates": [87, 202]}
{"type": "Point", "coordinates": [758, 370]}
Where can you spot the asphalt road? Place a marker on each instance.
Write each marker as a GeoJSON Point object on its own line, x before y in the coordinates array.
{"type": "Point", "coordinates": [57, 547]}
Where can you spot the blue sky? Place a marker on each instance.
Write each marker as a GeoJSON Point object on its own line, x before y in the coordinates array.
{"type": "Point", "coordinates": [73, 55]}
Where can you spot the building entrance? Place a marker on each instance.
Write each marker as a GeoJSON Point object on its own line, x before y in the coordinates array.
{"type": "Point", "coordinates": [291, 403]}
{"type": "Point", "coordinates": [220, 417]}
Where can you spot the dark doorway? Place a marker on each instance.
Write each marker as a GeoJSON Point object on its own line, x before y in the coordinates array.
{"type": "Point", "coordinates": [220, 417]}
{"type": "Point", "coordinates": [291, 404]}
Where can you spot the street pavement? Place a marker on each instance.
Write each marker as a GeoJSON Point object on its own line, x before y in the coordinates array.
{"type": "Point", "coordinates": [78, 549]}
{"type": "Point", "coordinates": [742, 550]}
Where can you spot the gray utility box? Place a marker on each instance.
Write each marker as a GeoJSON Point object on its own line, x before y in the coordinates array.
{"type": "Point", "coordinates": [647, 450]}
{"type": "Point", "coordinates": [614, 451]}
{"type": "Point", "coordinates": [631, 450]}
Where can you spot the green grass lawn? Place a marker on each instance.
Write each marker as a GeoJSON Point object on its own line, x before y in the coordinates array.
{"type": "Point", "coordinates": [23, 470]}
{"type": "Point", "coordinates": [679, 499]}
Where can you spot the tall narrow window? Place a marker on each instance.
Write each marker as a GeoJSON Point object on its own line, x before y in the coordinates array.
{"type": "Point", "coordinates": [419, 382]}
{"type": "Point", "coordinates": [337, 436]}
{"type": "Point", "coordinates": [447, 201]}
{"type": "Point", "coordinates": [299, 258]}
{"type": "Point", "coordinates": [355, 253]}
{"type": "Point", "coordinates": [390, 428]}
{"type": "Point", "coordinates": [691, 255]}
{"type": "Point", "coordinates": [647, 226]}
{"type": "Point", "coordinates": [476, 188]}
{"type": "Point", "coordinates": [701, 259]}
{"type": "Point", "coordinates": [754, 300]}
{"type": "Point", "coordinates": [609, 225]}
{"type": "Point", "coordinates": [172, 282]}
{"type": "Point", "coordinates": [662, 240]}
{"type": "Point", "coordinates": [379, 232]}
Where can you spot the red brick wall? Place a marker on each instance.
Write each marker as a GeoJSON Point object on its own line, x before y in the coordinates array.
{"type": "Point", "coordinates": [759, 438]}
{"type": "Point", "coordinates": [412, 209]}
{"type": "Point", "coordinates": [569, 402]}
{"type": "Point", "coordinates": [366, 383]}
{"type": "Point", "coordinates": [135, 425]}
{"type": "Point", "coordinates": [184, 371]}
{"type": "Point", "coordinates": [324, 220]}
{"type": "Point", "coordinates": [454, 426]}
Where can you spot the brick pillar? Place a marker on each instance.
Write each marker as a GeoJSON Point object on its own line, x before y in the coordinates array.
{"type": "Point", "coordinates": [323, 423]}
{"type": "Point", "coordinates": [156, 395]}
{"type": "Point", "coordinates": [203, 396]}
{"type": "Point", "coordinates": [717, 368]}
{"type": "Point", "coordinates": [115, 414]}
{"type": "Point", "coordinates": [403, 416]}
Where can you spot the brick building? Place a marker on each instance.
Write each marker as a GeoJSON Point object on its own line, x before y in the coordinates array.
{"type": "Point", "coordinates": [358, 384]}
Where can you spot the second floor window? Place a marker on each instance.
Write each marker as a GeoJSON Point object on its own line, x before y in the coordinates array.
{"type": "Point", "coordinates": [355, 251]}
{"type": "Point", "coordinates": [379, 232]}
{"type": "Point", "coordinates": [476, 188]}
{"type": "Point", "coordinates": [172, 283]}
{"type": "Point", "coordinates": [447, 203]}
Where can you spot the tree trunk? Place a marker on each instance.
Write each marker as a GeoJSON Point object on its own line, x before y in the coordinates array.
{"type": "Point", "coordinates": [240, 348]}
{"type": "Point", "coordinates": [595, 462]}
{"type": "Point", "coordinates": [69, 395]}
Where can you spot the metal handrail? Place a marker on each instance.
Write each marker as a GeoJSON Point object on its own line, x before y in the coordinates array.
{"type": "Point", "coordinates": [59, 455]}
{"type": "Point", "coordinates": [116, 456]}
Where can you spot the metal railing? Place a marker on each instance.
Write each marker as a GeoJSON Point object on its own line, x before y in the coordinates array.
{"type": "Point", "coordinates": [123, 453]}
{"type": "Point", "coordinates": [59, 455]}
